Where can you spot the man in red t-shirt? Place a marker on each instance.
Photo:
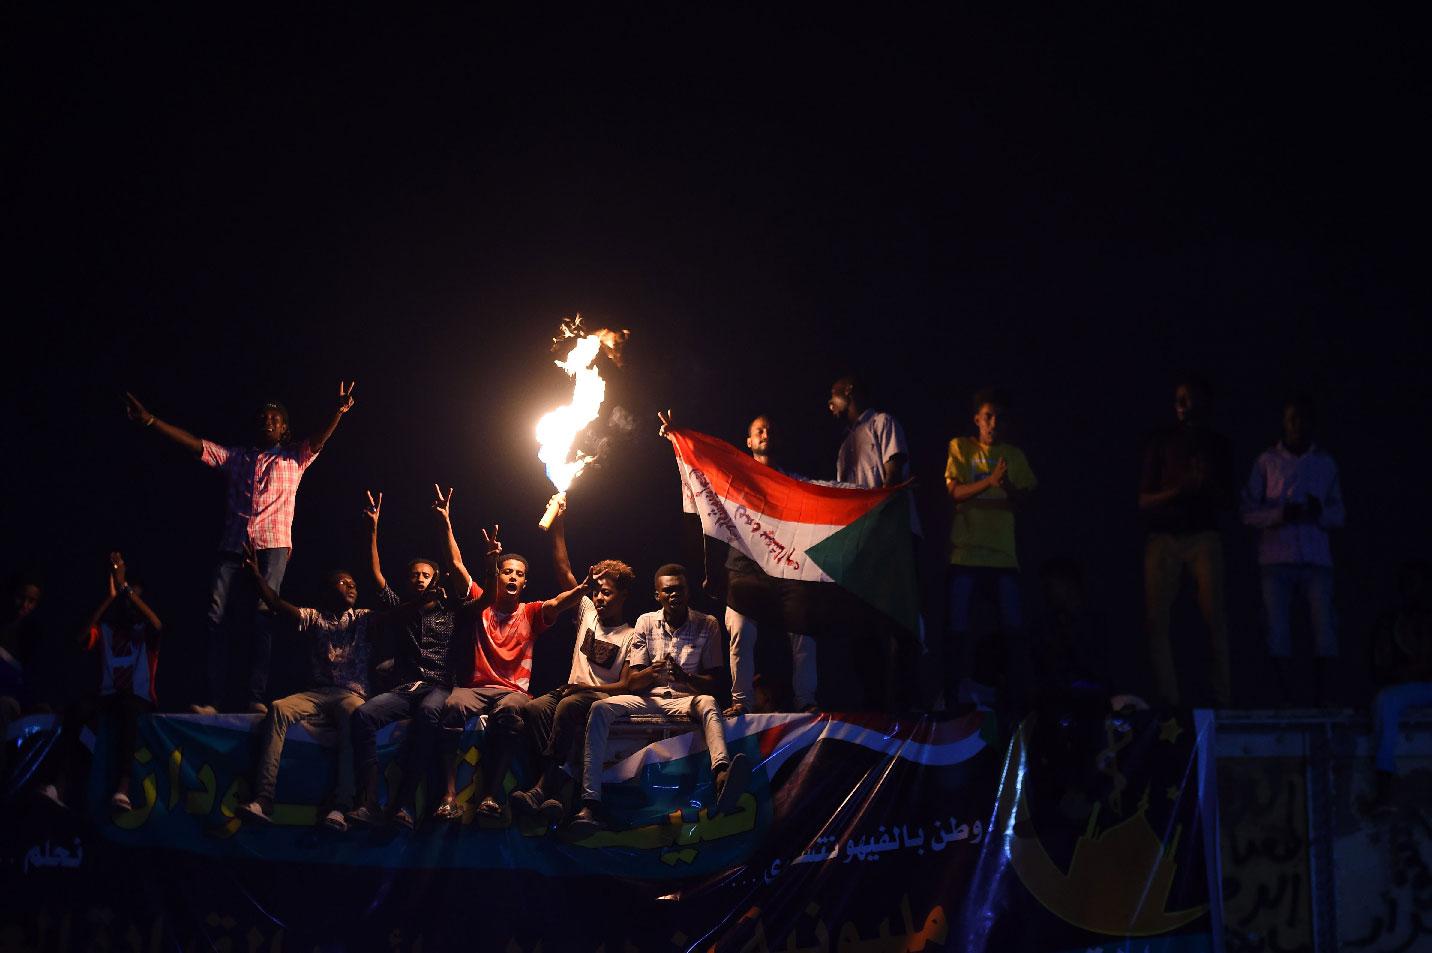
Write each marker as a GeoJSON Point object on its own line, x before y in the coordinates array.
{"type": "Point", "coordinates": [501, 673]}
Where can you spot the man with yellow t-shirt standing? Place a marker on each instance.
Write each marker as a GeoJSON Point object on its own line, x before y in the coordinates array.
{"type": "Point", "coordinates": [988, 480]}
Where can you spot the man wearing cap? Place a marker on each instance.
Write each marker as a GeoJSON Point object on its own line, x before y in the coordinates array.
{"type": "Point", "coordinates": [262, 487]}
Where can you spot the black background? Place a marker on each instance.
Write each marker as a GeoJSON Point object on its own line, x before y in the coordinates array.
{"type": "Point", "coordinates": [1072, 203]}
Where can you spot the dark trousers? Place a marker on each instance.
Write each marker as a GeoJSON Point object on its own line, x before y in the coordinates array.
{"type": "Point", "coordinates": [124, 708]}
{"type": "Point", "coordinates": [558, 726]}
{"type": "Point", "coordinates": [234, 595]}
{"type": "Point", "coordinates": [424, 705]}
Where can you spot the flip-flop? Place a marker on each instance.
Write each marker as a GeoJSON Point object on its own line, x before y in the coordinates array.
{"type": "Point", "coordinates": [449, 810]}
{"type": "Point", "coordinates": [401, 818]}
{"type": "Point", "coordinates": [738, 775]}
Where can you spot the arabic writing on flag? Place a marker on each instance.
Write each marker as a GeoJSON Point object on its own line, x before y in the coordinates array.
{"type": "Point", "coordinates": [797, 529]}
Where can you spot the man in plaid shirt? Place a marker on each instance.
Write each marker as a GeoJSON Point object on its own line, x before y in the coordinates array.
{"type": "Point", "coordinates": [262, 486]}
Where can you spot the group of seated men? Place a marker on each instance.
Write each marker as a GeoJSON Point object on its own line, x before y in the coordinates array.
{"type": "Point", "coordinates": [456, 655]}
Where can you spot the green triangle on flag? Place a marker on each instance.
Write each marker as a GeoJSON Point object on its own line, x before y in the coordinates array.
{"type": "Point", "coordinates": [874, 558]}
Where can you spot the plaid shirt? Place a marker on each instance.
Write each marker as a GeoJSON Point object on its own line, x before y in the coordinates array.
{"type": "Point", "coordinates": [696, 646]}
{"type": "Point", "coordinates": [262, 487]}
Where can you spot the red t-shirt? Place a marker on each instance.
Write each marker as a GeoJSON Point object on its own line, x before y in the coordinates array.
{"type": "Point", "coordinates": [502, 651]}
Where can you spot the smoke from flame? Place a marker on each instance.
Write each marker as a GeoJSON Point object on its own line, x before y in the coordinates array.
{"type": "Point", "coordinates": [558, 430]}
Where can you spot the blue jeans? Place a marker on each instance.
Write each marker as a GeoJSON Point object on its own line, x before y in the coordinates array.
{"type": "Point", "coordinates": [232, 586]}
{"type": "Point", "coordinates": [1282, 583]}
{"type": "Point", "coordinates": [1387, 708]}
{"type": "Point", "coordinates": [424, 704]}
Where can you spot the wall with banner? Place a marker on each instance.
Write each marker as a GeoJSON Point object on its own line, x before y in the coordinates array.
{"type": "Point", "coordinates": [858, 833]}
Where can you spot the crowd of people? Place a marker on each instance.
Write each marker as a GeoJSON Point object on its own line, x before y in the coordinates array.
{"type": "Point", "coordinates": [443, 644]}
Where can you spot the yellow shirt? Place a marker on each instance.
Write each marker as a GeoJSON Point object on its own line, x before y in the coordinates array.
{"type": "Point", "coordinates": [983, 530]}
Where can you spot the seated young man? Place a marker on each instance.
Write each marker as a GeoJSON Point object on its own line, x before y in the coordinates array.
{"type": "Point", "coordinates": [557, 721]}
{"type": "Point", "coordinates": [422, 630]}
{"type": "Point", "coordinates": [126, 632]}
{"type": "Point", "coordinates": [682, 647]}
{"type": "Point", "coordinates": [501, 674]}
{"type": "Point", "coordinates": [338, 666]}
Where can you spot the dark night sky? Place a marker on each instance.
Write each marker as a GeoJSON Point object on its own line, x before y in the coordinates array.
{"type": "Point", "coordinates": [1071, 204]}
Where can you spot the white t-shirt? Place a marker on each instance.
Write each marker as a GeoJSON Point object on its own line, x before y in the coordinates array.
{"type": "Point", "coordinates": [600, 650]}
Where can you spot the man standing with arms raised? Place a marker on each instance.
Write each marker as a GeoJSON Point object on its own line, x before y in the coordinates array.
{"type": "Point", "coordinates": [262, 488]}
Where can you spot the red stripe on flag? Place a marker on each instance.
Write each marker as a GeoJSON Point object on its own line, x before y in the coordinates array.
{"type": "Point", "coordinates": [737, 477]}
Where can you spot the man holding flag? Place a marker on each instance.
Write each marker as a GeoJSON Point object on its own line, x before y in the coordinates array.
{"type": "Point", "coordinates": [796, 530]}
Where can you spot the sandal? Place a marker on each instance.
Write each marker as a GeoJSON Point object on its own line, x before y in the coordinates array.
{"type": "Point", "coordinates": [403, 819]}
{"type": "Point", "coordinates": [489, 807]}
{"type": "Point", "coordinates": [449, 810]}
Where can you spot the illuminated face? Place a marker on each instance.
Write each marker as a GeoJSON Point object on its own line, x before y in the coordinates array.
{"type": "Point", "coordinates": [346, 589]}
{"type": "Point", "coordinates": [421, 578]}
{"type": "Point", "coordinates": [987, 420]}
{"type": "Point", "coordinates": [511, 578]}
{"type": "Point", "coordinates": [272, 427]}
{"type": "Point", "coordinates": [758, 437]}
{"type": "Point", "coordinates": [839, 401]}
{"type": "Point", "coordinates": [608, 599]}
{"type": "Point", "coordinates": [672, 593]}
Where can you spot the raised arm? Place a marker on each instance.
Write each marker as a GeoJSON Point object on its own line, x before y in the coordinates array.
{"type": "Point", "coordinates": [563, 601]}
{"type": "Point", "coordinates": [120, 585]}
{"type": "Point", "coordinates": [345, 404]}
{"type": "Point", "coordinates": [143, 417]}
{"type": "Point", "coordinates": [271, 599]}
{"type": "Point", "coordinates": [560, 560]}
{"type": "Point", "coordinates": [86, 638]}
{"type": "Point", "coordinates": [375, 507]}
{"type": "Point", "coordinates": [442, 507]}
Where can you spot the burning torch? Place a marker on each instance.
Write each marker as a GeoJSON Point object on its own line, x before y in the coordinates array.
{"type": "Point", "coordinates": [557, 431]}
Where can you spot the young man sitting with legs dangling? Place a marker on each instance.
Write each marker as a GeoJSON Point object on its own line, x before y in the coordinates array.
{"type": "Point", "coordinates": [501, 672]}
{"type": "Point", "coordinates": [557, 721]}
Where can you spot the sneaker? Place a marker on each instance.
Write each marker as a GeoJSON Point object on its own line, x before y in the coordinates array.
{"type": "Point", "coordinates": [585, 823]}
{"type": "Point", "coordinates": [203, 710]}
{"type": "Point", "coordinates": [364, 816]}
{"type": "Point", "coordinates": [257, 708]}
{"type": "Point", "coordinates": [120, 801]}
{"type": "Point", "coordinates": [335, 821]}
{"type": "Point", "coordinates": [50, 793]}
{"type": "Point", "coordinates": [529, 801]}
{"type": "Point", "coordinates": [254, 811]}
{"type": "Point", "coordinates": [552, 810]}
{"type": "Point", "coordinates": [732, 784]}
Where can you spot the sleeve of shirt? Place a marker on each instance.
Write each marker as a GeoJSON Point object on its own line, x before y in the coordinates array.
{"type": "Point", "coordinates": [1254, 506]}
{"type": "Point", "coordinates": [214, 455]}
{"type": "Point", "coordinates": [304, 455]}
{"type": "Point", "coordinates": [533, 611]}
{"type": "Point", "coordinates": [892, 438]}
{"type": "Point", "coordinates": [952, 462]}
{"type": "Point", "coordinates": [1333, 514]}
{"type": "Point", "coordinates": [306, 617]}
{"type": "Point", "coordinates": [711, 655]}
{"type": "Point", "coordinates": [387, 598]}
{"type": "Point", "coordinates": [639, 653]}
